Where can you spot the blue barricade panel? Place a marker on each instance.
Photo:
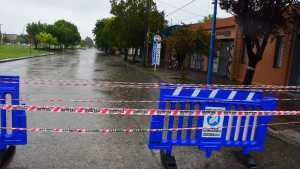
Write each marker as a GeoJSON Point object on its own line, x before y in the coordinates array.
{"type": "Point", "coordinates": [247, 132]}
{"type": "Point", "coordinates": [10, 94]}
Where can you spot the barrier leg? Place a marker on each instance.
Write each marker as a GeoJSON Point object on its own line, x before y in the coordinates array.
{"type": "Point", "coordinates": [168, 161]}
{"type": "Point", "coordinates": [246, 159]}
{"type": "Point", "coordinates": [6, 155]}
{"type": "Point", "coordinates": [251, 162]}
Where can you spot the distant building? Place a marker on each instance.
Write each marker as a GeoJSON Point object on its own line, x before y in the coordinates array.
{"type": "Point", "coordinates": [10, 38]}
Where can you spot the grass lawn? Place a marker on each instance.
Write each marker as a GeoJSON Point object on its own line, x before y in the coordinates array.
{"type": "Point", "coordinates": [15, 51]}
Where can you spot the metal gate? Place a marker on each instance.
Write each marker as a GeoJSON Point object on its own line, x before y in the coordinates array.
{"type": "Point", "coordinates": [225, 58]}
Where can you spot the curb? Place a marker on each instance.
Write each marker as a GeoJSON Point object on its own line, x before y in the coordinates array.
{"type": "Point", "coordinates": [25, 57]}
{"type": "Point", "coordinates": [137, 67]}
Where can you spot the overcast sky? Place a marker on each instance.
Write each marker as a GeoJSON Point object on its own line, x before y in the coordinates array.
{"type": "Point", "coordinates": [15, 14]}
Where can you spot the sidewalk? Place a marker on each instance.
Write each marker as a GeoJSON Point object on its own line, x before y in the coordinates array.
{"type": "Point", "coordinates": [287, 133]}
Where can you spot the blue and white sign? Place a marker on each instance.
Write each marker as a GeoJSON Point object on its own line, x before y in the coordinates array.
{"type": "Point", "coordinates": [156, 50]}
{"type": "Point", "coordinates": [213, 125]}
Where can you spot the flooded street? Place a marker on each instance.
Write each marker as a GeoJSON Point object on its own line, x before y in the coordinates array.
{"type": "Point", "coordinates": [116, 151]}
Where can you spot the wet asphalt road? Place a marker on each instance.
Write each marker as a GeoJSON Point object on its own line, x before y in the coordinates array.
{"type": "Point", "coordinates": [116, 151]}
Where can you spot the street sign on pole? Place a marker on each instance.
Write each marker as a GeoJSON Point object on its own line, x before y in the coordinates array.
{"type": "Point", "coordinates": [156, 51]}
{"type": "Point", "coordinates": [212, 44]}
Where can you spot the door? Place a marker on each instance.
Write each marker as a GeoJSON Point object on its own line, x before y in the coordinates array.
{"type": "Point", "coordinates": [225, 58]}
{"type": "Point", "coordinates": [295, 76]}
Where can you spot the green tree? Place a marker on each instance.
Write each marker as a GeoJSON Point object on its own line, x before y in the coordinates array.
{"type": "Point", "coordinates": [130, 20]}
{"type": "Point", "coordinates": [67, 33]}
{"type": "Point", "coordinates": [83, 44]}
{"type": "Point", "coordinates": [33, 29]}
{"type": "Point", "coordinates": [207, 18]}
{"type": "Point", "coordinates": [201, 42]}
{"type": "Point", "coordinates": [106, 34]}
{"type": "Point", "coordinates": [259, 20]}
{"type": "Point", "coordinates": [186, 42]}
{"type": "Point", "coordinates": [46, 38]}
{"type": "Point", "coordinates": [89, 42]}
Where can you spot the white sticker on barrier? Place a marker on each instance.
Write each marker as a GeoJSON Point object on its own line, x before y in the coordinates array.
{"type": "Point", "coordinates": [212, 124]}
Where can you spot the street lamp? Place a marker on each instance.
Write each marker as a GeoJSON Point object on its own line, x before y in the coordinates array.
{"type": "Point", "coordinates": [212, 44]}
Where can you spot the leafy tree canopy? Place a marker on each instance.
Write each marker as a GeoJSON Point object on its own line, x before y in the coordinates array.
{"type": "Point", "coordinates": [33, 29]}
{"type": "Point", "coordinates": [46, 38]}
{"type": "Point", "coordinates": [64, 32]}
{"type": "Point", "coordinates": [106, 34]}
{"type": "Point", "coordinates": [89, 42]}
{"type": "Point", "coordinates": [186, 42]}
{"type": "Point", "coordinates": [127, 28]}
{"type": "Point", "coordinates": [67, 33]}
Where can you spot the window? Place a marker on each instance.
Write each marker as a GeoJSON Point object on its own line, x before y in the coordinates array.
{"type": "Point", "coordinates": [244, 54]}
{"type": "Point", "coordinates": [278, 52]}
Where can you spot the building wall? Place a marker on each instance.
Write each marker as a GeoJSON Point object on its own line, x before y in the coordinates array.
{"type": "Point", "coordinates": [265, 72]}
{"type": "Point", "coordinates": [10, 38]}
{"type": "Point", "coordinates": [226, 30]}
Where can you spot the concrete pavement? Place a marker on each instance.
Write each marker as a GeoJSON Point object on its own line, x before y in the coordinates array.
{"type": "Point", "coordinates": [116, 151]}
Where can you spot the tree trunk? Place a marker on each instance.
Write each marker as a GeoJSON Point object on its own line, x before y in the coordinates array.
{"type": "Point", "coordinates": [249, 75]}
{"type": "Point", "coordinates": [254, 57]}
{"type": "Point", "coordinates": [126, 54]}
{"type": "Point", "coordinates": [251, 64]}
{"type": "Point", "coordinates": [135, 55]}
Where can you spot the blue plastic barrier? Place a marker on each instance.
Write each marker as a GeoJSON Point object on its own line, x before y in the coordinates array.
{"type": "Point", "coordinates": [9, 94]}
{"type": "Point", "coordinates": [247, 132]}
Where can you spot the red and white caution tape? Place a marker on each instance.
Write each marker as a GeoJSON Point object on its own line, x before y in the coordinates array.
{"type": "Point", "coordinates": [136, 85]}
{"type": "Point", "coordinates": [129, 130]}
{"type": "Point", "coordinates": [57, 100]}
{"type": "Point", "coordinates": [168, 87]}
{"type": "Point", "coordinates": [93, 82]}
{"type": "Point", "coordinates": [82, 82]}
{"type": "Point", "coordinates": [150, 101]}
{"type": "Point", "coordinates": [144, 112]}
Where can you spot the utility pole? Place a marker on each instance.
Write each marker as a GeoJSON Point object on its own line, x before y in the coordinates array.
{"type": "Point", "coordinates": [147, 29]}
{"type": "Point", "coordinates": [212, 49]}
{"type": "Point", "coordinates": [0, 35]}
